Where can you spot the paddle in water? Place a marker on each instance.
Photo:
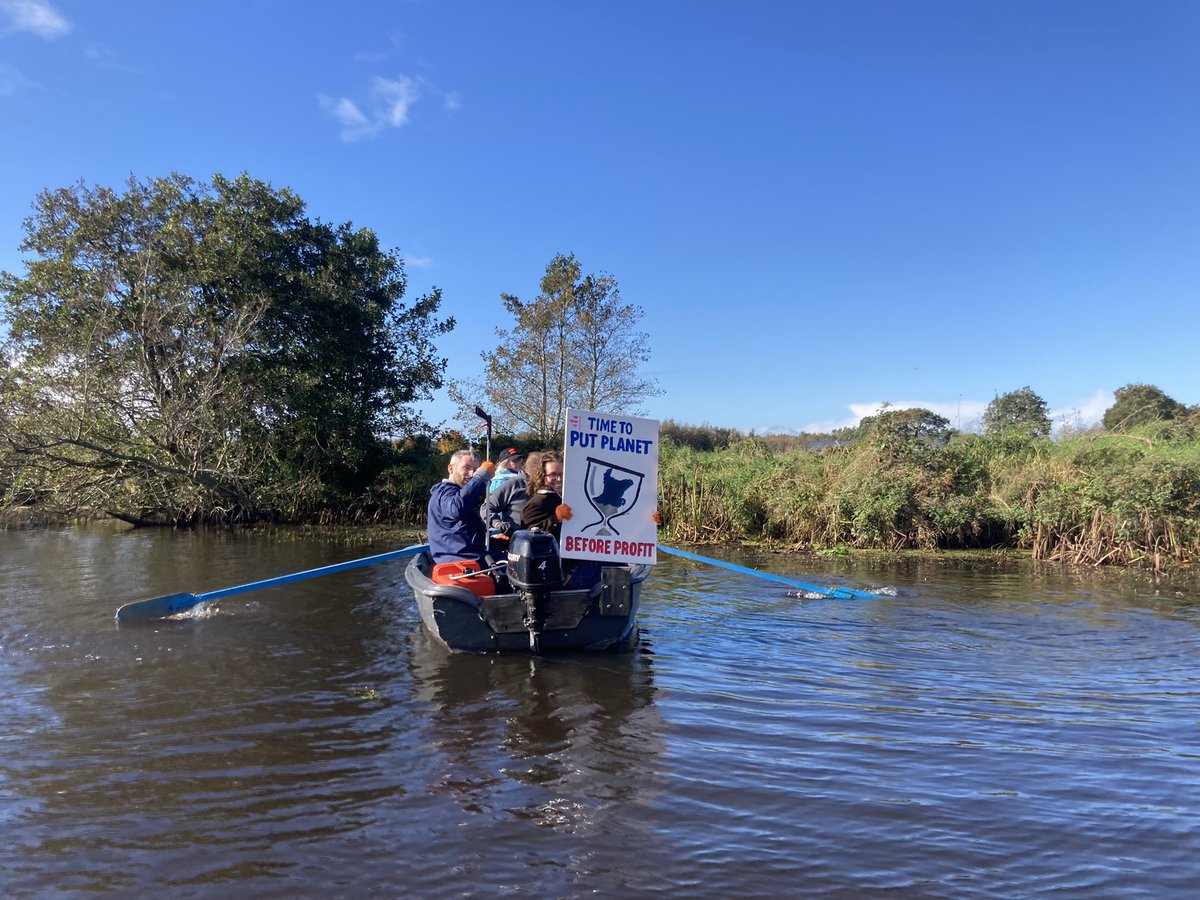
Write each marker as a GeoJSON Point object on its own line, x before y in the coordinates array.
{"type": "Point", "coordinates": [174, 604]}
{"type": "Point", "coordinates": [840, 593]}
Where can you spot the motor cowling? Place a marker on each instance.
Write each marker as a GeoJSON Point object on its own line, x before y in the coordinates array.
{"type": "Point", "coordinates": [533, 561]}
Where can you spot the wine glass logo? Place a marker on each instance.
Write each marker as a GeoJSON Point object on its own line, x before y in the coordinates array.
{"type": "Point", "coordinates": [612, 491]}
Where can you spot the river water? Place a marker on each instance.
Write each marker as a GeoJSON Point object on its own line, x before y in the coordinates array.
{"type": "Point", "coordinates": [984, 730]}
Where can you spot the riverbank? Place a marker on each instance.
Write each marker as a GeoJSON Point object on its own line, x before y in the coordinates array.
{"type": "Point", "coordinates": [1094, 499]}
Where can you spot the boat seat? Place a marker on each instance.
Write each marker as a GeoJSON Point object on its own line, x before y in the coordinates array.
{"type": "Point", "coordinates": [479, 585]}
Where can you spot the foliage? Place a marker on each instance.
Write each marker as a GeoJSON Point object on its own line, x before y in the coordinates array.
{"type": "Point", "coordinates": [1137, 404]}
{"type": "Point", "coordinates": [1090, 499]}
{"type": "Point", "coordinates": [575, 345]}
{"type": "Point", "coordinates": [1019, 410]}
{"type": "Point", "coordinates": [902, 428]}
{"type": "Point", "coordinates": [712, 496]}
{"type": "Point", "coordinates": [786, 443]}
{"type": "Point", "coordinates": [195, 350]}
{"type": "Point", "coordinates": [698, 437]}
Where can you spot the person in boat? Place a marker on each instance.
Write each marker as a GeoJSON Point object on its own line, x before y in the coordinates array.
{"type": "Point", "coordinates": [502, 510]}
{"type": "Point", "coordinates": [511, 464]}
{"type": "Point", "coordinates": [544, 507]}
{"type": "Point", "coordinates": [545, 510]}
{"type": "Point", "coordinates": [456, 530]}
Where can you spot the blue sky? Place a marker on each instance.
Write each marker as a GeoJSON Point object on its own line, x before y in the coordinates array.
{"type": "Point", "coordinates": [821, 206]}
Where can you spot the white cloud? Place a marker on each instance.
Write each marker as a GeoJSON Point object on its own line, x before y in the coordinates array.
{"type": "Point", "coordinates": [386, 107]}
{"type": "Point", "coordinates": [963, 415]}
{"type": "Point", "coordinates": [388, 104]}
{"type": "Point", "coordinates": [12, 81]}
{"type": "Point", "coordinates": [393, 98]}
{"type": "Point", "coordinates": [34, 16]}
{"type": "Point", "coordinates": [101, 55]}
{"type": "Point", "coordinates": [344, 111]}
{"type": "Point", "coordinates": [418, 262]}
{"type": "Point", "coordinates": [967, 415]}
{"type": "Point", "coordinates": [1084, 414]}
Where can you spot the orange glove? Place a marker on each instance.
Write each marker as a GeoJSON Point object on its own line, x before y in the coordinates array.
{"type": "Point", "coordinates": [562, 512]}
{"type": "Point", "coordinates": [657, 517]}
{"type": "Point", "coordinates": [487, 469]}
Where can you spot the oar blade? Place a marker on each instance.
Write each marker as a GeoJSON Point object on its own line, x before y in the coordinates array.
{"type": "Point", "coordinates": [174, 604]}
{"type": "Point", "coordinates": [157, 608]}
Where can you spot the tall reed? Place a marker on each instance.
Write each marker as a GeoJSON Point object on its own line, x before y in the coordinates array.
{"type": "Point", "coordinates": [1086, 500]}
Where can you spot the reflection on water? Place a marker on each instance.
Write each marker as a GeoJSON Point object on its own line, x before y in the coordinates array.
{"type": "Point", "coordinates": [506, 727]}
{"type": "Point", "coordinates": [992, 729]}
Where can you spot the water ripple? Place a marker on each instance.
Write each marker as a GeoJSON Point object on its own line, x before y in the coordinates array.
{"type": "Point", "coordinates": [975, 731]}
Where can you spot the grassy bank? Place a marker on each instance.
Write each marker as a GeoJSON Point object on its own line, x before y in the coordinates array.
{"type": "Point", "coordinates": [1090, 499]}
{"type": "Point", "coordinates": [1087, 499]}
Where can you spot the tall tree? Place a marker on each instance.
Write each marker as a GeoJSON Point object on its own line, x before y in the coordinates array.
{"type": "Point", "coordinates": [575, 345]}
{"type": "Point", "coordinates": [188, 349]}
{"type": "Point", "coordinates": [607, 350]}
{"type": "Point", "coordinates": [1137, 404]}
{"type": "Point", "coordinates": [1020, 410]}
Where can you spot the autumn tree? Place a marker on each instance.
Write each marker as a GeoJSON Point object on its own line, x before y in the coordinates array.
{"type": "Point", "coordinates": [576, 344]}
{"type": "Point", "coordinates": [185, 349]}
{"type": "Point", "coordinates": [1020, 410]}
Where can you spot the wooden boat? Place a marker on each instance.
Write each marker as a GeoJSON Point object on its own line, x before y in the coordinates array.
{"type": "Point", "coordinates": [537, 613]}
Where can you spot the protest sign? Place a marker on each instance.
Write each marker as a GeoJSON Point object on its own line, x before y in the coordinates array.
{"type": "Point", "coordinates": [611, 484]}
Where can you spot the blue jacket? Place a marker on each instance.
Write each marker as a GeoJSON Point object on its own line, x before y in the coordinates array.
{"type": "Point", "coordinates": [501, 476]}
{"type": "Point", "coordinates": [456, 530]}
{"type": "Point", "coordinates": [506, 502]}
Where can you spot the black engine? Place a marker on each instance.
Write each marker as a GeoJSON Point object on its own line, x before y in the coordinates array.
{"type": "Point", "coordinates": [534, 570]}
{"type": "Point", "coordinates": [533, 562]}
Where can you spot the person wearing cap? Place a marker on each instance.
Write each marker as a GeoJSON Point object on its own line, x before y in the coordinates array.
{"type": "Point", "coordinates": [502, 510]}
{"type": "Point", "coordinates": [509, 465]}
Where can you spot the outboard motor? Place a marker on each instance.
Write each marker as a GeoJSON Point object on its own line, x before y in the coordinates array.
{"type": "Point", "coordinates": [534, 570]}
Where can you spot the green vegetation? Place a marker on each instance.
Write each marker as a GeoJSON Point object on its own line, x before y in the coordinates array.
{"type": "Point", "coordinates": [188, 352]}
{"type": "Point", "coordinates": [1138, 404]}
{"type": "Point", "coordinates": [574, 345]}
{"type": "Point", "coordinates": [1022, 410]}
{"type": "Point", "coordinates": [185, 352]}
{"type": "Point", "coordinates": [1088, 499]}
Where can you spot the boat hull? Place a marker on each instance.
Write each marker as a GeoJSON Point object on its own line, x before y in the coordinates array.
{"type": "Point", "coordinates": [596, 618]}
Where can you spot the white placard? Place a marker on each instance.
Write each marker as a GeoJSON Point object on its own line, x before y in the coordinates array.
{"type": "Point", "coordinates": [610, 481]}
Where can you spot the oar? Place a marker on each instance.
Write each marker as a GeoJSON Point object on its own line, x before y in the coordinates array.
{"type": "Point", "coordinates": [173, 604]}
{"type": "Point", "coordinates": [840, 593]}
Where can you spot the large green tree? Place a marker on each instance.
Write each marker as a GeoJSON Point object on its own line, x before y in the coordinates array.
{"type": "Point", "coordinates": [914, 424]}
{"type": "Point", "coordinates": [576, 344]}
{"type": "Point", "coordinates": [189, 349]}
{"type": "Point", "coordinates": [1138, 404]}
{"type": "Point", "coordinates": [1020, 410]}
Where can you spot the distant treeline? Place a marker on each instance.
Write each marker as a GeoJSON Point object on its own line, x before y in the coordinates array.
{"type": "Point", "coordinates": [905, 481]}
{"type": "Point", "coordinates": [1125, 495]}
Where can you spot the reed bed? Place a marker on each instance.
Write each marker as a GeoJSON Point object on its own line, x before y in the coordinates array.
{"type": "Point", "coordinates": [1089, 500]}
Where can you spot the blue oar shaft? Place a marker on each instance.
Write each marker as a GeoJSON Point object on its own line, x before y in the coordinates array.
{"type": "Point", "coordinates": [841, 593]}
{"type": "Point", "coordinates": [174, 604]}
{"type": "Point", "coordinates": [309, 573]}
